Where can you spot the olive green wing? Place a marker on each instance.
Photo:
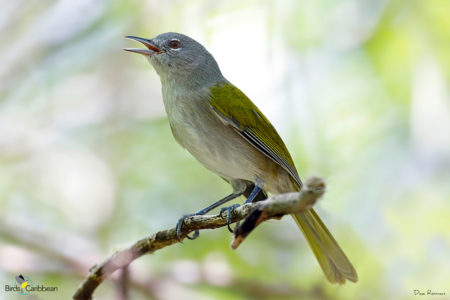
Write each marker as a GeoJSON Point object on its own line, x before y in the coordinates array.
{"type": "Point", "coordinates": [236, 109]}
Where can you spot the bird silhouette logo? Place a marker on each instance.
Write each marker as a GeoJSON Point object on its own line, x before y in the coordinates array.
{"type": "Point", "coordinates": [23, 282]}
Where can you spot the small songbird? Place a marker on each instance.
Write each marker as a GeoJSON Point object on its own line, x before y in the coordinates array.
{"type": "Point", "coordinates": [229, 135]}
{"type": "Point", "coordinates": [21, 280]}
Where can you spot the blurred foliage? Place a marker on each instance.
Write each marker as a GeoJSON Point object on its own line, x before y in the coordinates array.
{"type": "Point", "coordinates": [359, 90]}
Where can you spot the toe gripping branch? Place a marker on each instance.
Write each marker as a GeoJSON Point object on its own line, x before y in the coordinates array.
{"type": "Point", "coordinates": [229, 209]}
{"type": "Point", "coordinates": [253, 193]}
{"type": "Point", "coordinates": [180, 223]}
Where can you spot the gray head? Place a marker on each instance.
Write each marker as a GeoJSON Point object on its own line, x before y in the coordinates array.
{"type": "Point", "coordinates": [180, 60]}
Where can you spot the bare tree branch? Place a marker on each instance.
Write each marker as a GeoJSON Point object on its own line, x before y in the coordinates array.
{"type": "Point", "coordinates": [274, 207]}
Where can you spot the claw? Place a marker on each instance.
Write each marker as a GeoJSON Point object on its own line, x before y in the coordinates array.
{"type": "Point", "coordinates": [229, 209]}
{"type": "Point", "coordinates": [196, 235]}
{"type": "Point", "coordinates": [180, 223]}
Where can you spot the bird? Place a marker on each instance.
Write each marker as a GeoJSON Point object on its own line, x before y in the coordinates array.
{"type": "Point", "coordinates": [22, 281]}
{"type": "Point", "coordinates": [227, 133]}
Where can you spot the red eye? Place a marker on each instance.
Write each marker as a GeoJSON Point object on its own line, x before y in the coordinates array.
{"type": "Point", "coordinates": [174, 44]}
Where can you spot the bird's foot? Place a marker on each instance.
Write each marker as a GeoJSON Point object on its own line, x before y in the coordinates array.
{"type": "Point", "coordinates": [229, 209]}
{"type": "Point", "coordinates": [180, 223]}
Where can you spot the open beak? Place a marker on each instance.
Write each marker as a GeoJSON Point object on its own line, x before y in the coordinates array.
{"type": "Point", "coordinates": [147, 43]}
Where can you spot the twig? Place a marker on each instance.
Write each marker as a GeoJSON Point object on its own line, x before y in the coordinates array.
{"type": "Point", "coordinates": [274, 207]}
{"type": "Point", "coordinates": [122, 284]}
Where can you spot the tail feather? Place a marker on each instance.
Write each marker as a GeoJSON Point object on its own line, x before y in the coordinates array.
{"type": "Point", "coordinates": [332, 260]}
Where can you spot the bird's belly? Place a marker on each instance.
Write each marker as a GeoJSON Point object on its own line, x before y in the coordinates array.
{"type": "Point", "coordinates": [217, 146]}
{"type": "Point", "coordinates": [224, 152]}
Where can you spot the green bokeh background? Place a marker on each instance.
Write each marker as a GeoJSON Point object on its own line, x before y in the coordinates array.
{"type": "Point", "coordinates": [359, 91]}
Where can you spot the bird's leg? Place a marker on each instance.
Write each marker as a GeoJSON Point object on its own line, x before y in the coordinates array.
{"type": "Point", "coordinates": [202, 212]}
{"type": "Point", "coordinates": [256, 190]}
{"type": "Point", "coordinates": [253, 193]}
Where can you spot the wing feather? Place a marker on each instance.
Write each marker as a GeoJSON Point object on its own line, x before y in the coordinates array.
{"type": "Point", "coordinates": [236, 109]}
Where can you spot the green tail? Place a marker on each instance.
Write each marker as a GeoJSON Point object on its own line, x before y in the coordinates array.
{"type": "Point", "coordinates": [332, 260]}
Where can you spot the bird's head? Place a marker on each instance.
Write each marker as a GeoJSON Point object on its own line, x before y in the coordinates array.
{"type": "Point", "coordinates": [179, 58]}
